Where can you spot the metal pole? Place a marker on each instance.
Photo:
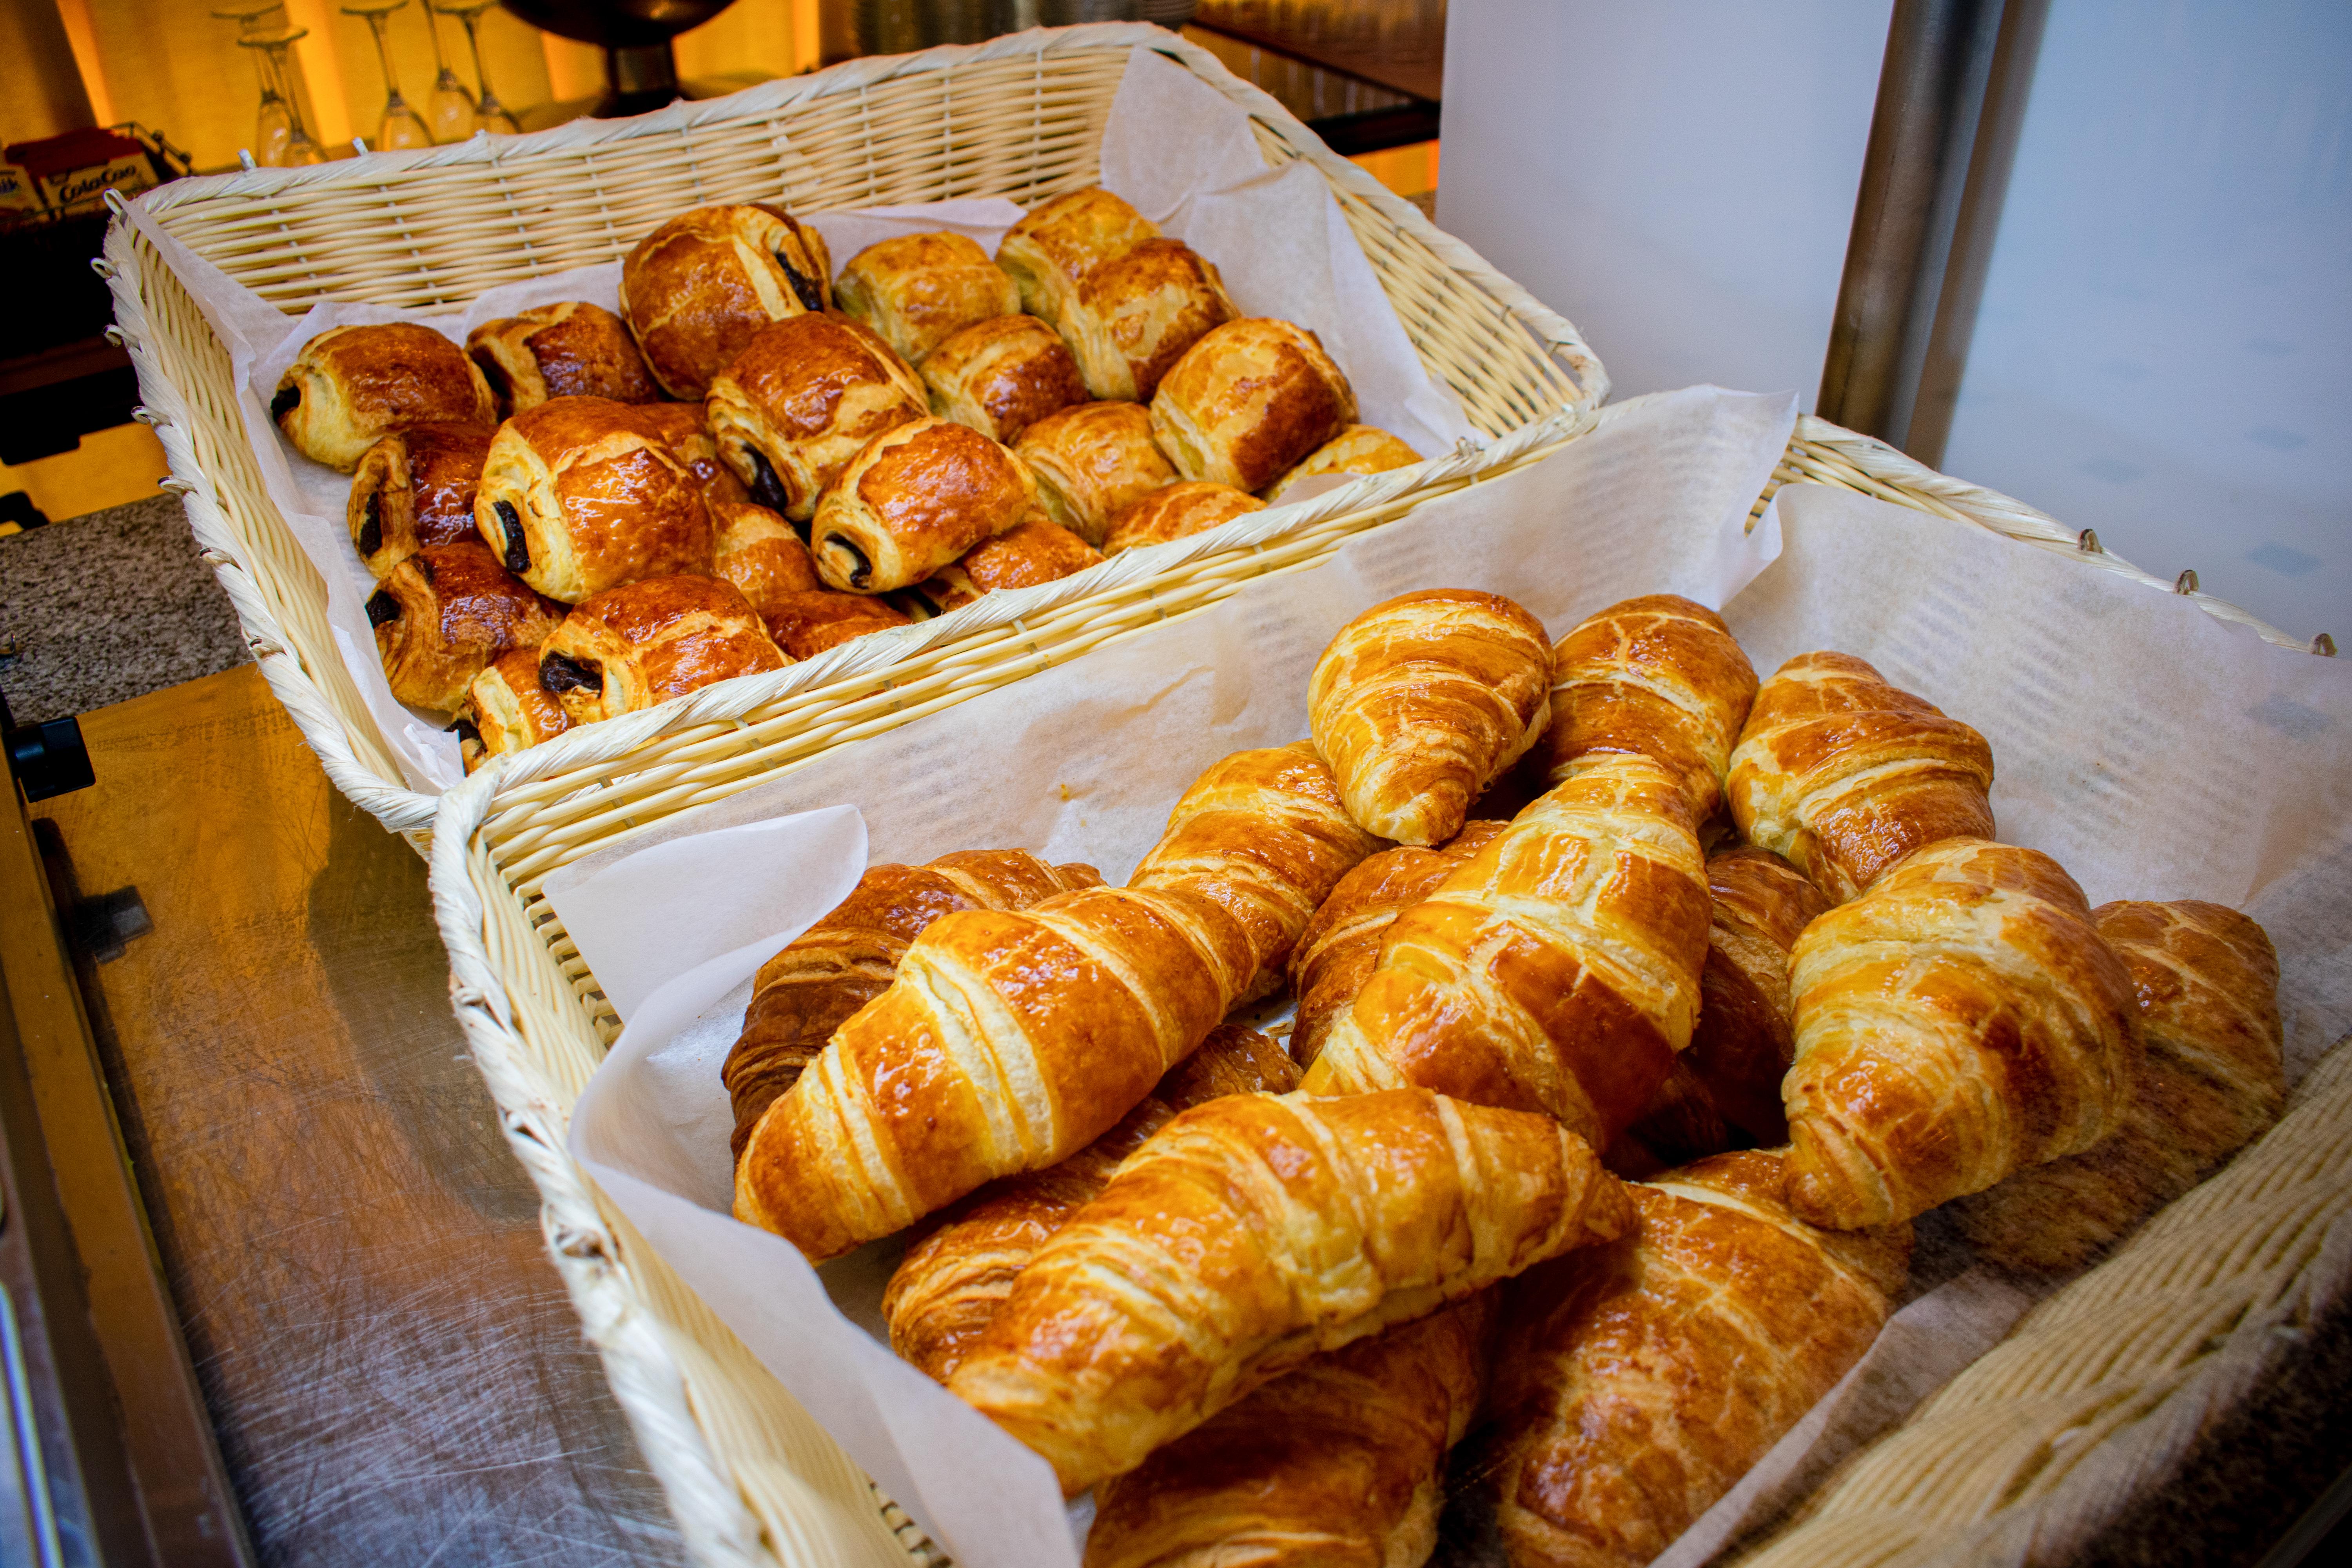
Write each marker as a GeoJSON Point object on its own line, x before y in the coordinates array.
{"type": "Point", "coordinates": [1930, 93]}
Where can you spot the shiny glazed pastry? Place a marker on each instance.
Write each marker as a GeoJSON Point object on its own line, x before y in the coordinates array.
{"type": "Point", "coordinates": [1033, 551]}
{"type": "Point", "coordinates": [1093, 462]}
{"type": "Point", "coordinates": [352, 386]}
{"type": "Point", "coordinates": [630, 648]}
{"type": "Point", "coordinates": [506, 709]}
{"type": "Point", "coordinates": [805, 625]}
{"type": "Point", "coordinates": [915, 499]}
{"type": "Point", "coordinates": [2206, 980]}
{"type": "Point", "coordinates": [1658, 675]}
{"type": "Point", "coordinates": [919, 289]}
{"type": "Point", "coordinates": [1339, 1462]}
{"type": "Point", "coordinates": [1843, 775]}
{"type": "Point", "coordinates": [762, 554]}
{"type": "Point", "coordinates": [1341, 945]}
{"type": "Point", "coordinates": [1358, 449]}
{"type": "Point", "coordinates": [682, 427]}
{"type": "Point", "coordinates": [1051, 252]}
{"type": "Point", "coordinates": [1002, 376]}
{"type": "Point", "coordinates": [1636, 1385]}
{"type": "Point", "coordinates": [1960, 1020]}
{"type": "Point", "coordinates": [1177, 511]}
{"type": "Point", "coordinates": [580, 494]}
{"type": "Point", "coordinates": [1421, 702]}
{"type": "Point", "coordinates": [1557, 970]}
{"type": "Point", "coordinates": [946, 1291]}
{"type": "Point", "coordinates": [697, 288]}
{"type": "Point", "coordinates": [1252, 1233]}
{"type": "Point", "coordinates": [801, 401]}
{"type": "Point", "coordinates": [569, 350]}
{"type": "Point", "coordinates": [1135, 316]}
{"type": "Point", "coordinates": [848, 958]}
{"type": "Point", "coordinates": [416, 487]}
{"type": "Point", "coordinates": [1069, 1010]}
{"type": "Point", "coordinates": [1248, 402]}
{"type": "Point", "coordinates": [442, 615]}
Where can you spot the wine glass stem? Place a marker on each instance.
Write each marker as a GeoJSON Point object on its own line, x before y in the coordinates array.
{"type": "Point", "coordinates": [474, 47]}
{"type": "Point", "coordinates": [384, 54]}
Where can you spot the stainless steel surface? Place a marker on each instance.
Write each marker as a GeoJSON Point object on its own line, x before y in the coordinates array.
{"type": "Point", "coordinates": [1930, 92]}
{"type": "Point", "coordinates": [394, 1371]}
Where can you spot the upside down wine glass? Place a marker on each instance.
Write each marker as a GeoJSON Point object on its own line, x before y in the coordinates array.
{"type": "Point", "coordinates": [401, 125]}
{"type": "Point", "coordinates": [450, 109]}
{"type": "Point", "coordinates": [494, 115]}
{"type": "Point", "coordinates": [279, 105]}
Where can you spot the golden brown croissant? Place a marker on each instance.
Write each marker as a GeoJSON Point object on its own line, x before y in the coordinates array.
{"type": "Point", "coordinates": [1138, 314]}
{"type": "Point", "coordinates": [1031, 552]}
{"type": "Point", "coordinates": [444, 615]}
{"type": "Point", "coordinates": [919, 289]}
{"type": "Point", "coordinates": [1658, 675]}
{"type": "Point", "coordinates": [951, 1283]}
{"type": "Point", "coordinates": [803, 397]}
{"type": "Point", "coordinates": [1248, 401]}
{"type": "Point", "coordinates": [1049, 252]}
{"type": "Point", "coordinates": [1000, 376]}
{"type": "Point", "coordinates": [1341, 945]}
{"type": "Point", "coordinates": [1960, 1020]}
{"type": "Point", "coordinates": [1843, 775]}
{"type": "Point", "coordinates": [848, 958]}
{"type": "Point", "coordinates": [582, 494]}
{"type": "Point", "coordinates": [1358, 449]}
{"type": "Point", "coordinates": [568, 349]}
{"type": "Point", "coordinates": [352, 386]}
{"type": "Point", "coordinates": [1340, 1462]}
{"type": "Point", "coordinates": [2206, 979]}
{"type": "Point", "coordinates": [1636, 1384]}
{"type": "Point", "coordinates": [913, 500]}
{"type": "Point", "coordinates": [506, 709]}
{"type": "Point", "coordinates": [807, 623]}
{"type": "Point", "coordinates": [695, 289]}
{"type": "Point", "coordinates": [1013, 1039]}
{"type": "Point", "coordinates": [762, 554]}
{"type": "Point", "coordinates": [1557, 970]}
{"type": "Point", "coordinates": [1420, 702]}
{"type": "Point", "coordinates": [1176, 511]}
{"type": "Point", "coordinates": [1255, 1231]}
{"type": "Point", "coordinates": [416, 487]}
{"type": "Point", "coordinates": [628, 648]}
{"type": "Point", "coordinates": [1093, 462]}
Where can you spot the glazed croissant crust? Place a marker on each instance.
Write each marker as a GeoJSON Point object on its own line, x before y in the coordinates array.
{"type": "Point", "coordinates": [1558, 970]}
{"type": "Point", "coordinates": [1093, 462]}
{"type": "Point", "coordinates": [1033, 551]}
{"type": "Point", "coordinates": [1420, 702]}
{"type": "Point", "coordinates": [914, 500]}
{"type": "Point", "coordinates": [1255, 1231]}
{"type": "Point", "coordinates": [805, 625]}
{"type": "Point", "coordinates": [1960, 1020]}
{"type": "Point", "coordinates": [1339, 1462]}
{"type": "Point", "coordinates": [1176, 511]}
{"type": "Point", "coordinates": [2206, 980]}
{"type": "Point", "coordinates": [947, 1290]}
{"type": "Point", "coordinates": [1636, 1384]}
{"type": "Point", "coordinates": [506, 709]}
{"type": "Point", "coordinates": [351, 386]}
{"type": "Point", "coordinates": [416, 487]}
{"type": "Point", "coordinates": [1358, 449]}
{"type": "Point", "coordinates": [443, 614]}
{"type": "Point", "coordinates": [1658, 675]}
{"type": "Point", "coordinates": [1843, 775]}
{"type": "Point", "coordinates": [848, 958]}
{"type": "Point", "coordinates": [631, 648]}
{"type": "Point", "coordinates": [1011, 1040]}
{"type": "Point", "coordinates": [919, 289]}
{"type": "Point", "coordinates": [582, 494]}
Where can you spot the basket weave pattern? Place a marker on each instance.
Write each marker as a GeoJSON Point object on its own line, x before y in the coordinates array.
{"type": "Point", "coordinates": [1020, 117]}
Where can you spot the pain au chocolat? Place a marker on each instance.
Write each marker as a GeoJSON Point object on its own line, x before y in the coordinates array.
{"type": "Point", "coordinates": [695, 289]}
{"type": "Point", "coordinates": [443, 613]}
{"type": "Point", "coordinates": [1052, 250]}
{"type": "Point", "coordinates": [1138, 314]}
{"type": "Point", "coordinates": [572, 349]}
{"type": "Point", "coordinates": [582, 494]}
{"type": "Point", "coordinates": [1248, 401]}
{"type": "Point", "coordinates": [647, 642]}
{"type": "Point", "coordinates": [1093, 462]}
{"type": "Point", "coordinates": [915, 499]}
{"type": "Point", "coordinates": [506, 709]}
{"type": "Point", "coordinates": [351, 386]}
{"type": "Point", "coordinates": [917, 290]}
{"type": "Point", "coordinates": [801, 400]}
{"type": "Point", "coordinates": [1003, 376]}
{"type": "Point", "coordinates": [416, 487]}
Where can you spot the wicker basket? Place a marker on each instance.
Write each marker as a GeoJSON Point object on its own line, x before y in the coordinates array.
{"type": "Point", "coordinates": [753, 1479]}
{"type": "Point", "coordinates": [1021, 116]}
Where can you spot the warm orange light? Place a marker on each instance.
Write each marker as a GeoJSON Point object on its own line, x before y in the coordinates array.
{"type": "Point", "coordinates": [83, 40]}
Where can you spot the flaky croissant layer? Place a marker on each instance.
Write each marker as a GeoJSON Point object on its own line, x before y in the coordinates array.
{"type": "Point", "coordinates": [1256, 1231]}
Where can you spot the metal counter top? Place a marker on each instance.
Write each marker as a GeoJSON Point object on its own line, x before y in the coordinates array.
{"type": "Point", "coordinates": [391, 1363]}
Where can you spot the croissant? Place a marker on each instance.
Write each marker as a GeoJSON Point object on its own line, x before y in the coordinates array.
{"type": "Point", "coordinates": [1658, 675]}
{"type": "Point", "coordinates": [352, 386]}
{"type": "Point", "coordinates": [2206, 979]}
{"type": "Point", "coordinates": [807, 623]}
{"type": "Point", "coordinates": [1420, 702]}
{"type": "Point", "coordinates": [444, 615]}
{"type": "Point", "coordinates": [1844, 775]}
{"type": "Point", "coordinates": [568, 349]}
{"type": "Point", "coordinates": [951, 1283]}
{"type": "Point", "coordinates": [506, 709]}
{"type": "Point", "coordinates": [1011, 1040]}
{"type": "Point", "coordinates": [848, 958]}
{"type": "Point", "coordinates": [1251, 1233]}
{"type": "Point", "coordinates": [1557, 971]}
{"type": "Point", "coordinates": [416, 487]}
{"type": "Point", "coordinates": [1726, 1087]}
{"type": "Point", "coordinates": [1960, 1020]}
{"type": "Point", "coordinates": [1031, 552]}
{"type": "Point", "coordinates": [919, 289]}
{"type": "Point", "coordinates": [1341, 945]}
{"type": "Point", "coordinates": [1340, 1462]}
{"type": "Point", "coordinates": [1000, 376]}
{"type": "Point", "coordinates": [1049, 252]}
{"type": "Point", "coordinates": [628, 648]}
{"type": "Point", "coordinates": [695, 289]}
{"type": "Point", "coordinates": [1177, 511]}
{"type": "Point", "coordinates": [1636, 1384]}
{"type": "Point", "coordinates": [1358, 449]}
{"type": "Point", "coordinates": [1093, 462]}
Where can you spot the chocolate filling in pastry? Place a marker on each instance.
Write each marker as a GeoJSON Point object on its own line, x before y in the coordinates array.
{"type": "Point", "coordinates": [812, 297]}
{"type": "Point", "coordinates": [284, 403]}
{"type": "Point", "coordinates": [495, 374]}
{"type": "Point", "coordinates": [769, 490]}
{"type": "Point", "coordinates": [467, 735]}
{"type": "Point", "coordinates": [371, 530]}
{"type": "Point", "coordinates": [382, 609]}
{"type": "Point", "coordinates": [517, 547]}
{"type": "Point", "coordinates": [561, 673]}
{"type": "Point", "coordinates": [865, 568]}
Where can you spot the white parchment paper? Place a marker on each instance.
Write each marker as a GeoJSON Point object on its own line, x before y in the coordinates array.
{"type": "Point", "coordinates": [1179, 147]}
{"type": "Point", "coordinates": [2156, 751]}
